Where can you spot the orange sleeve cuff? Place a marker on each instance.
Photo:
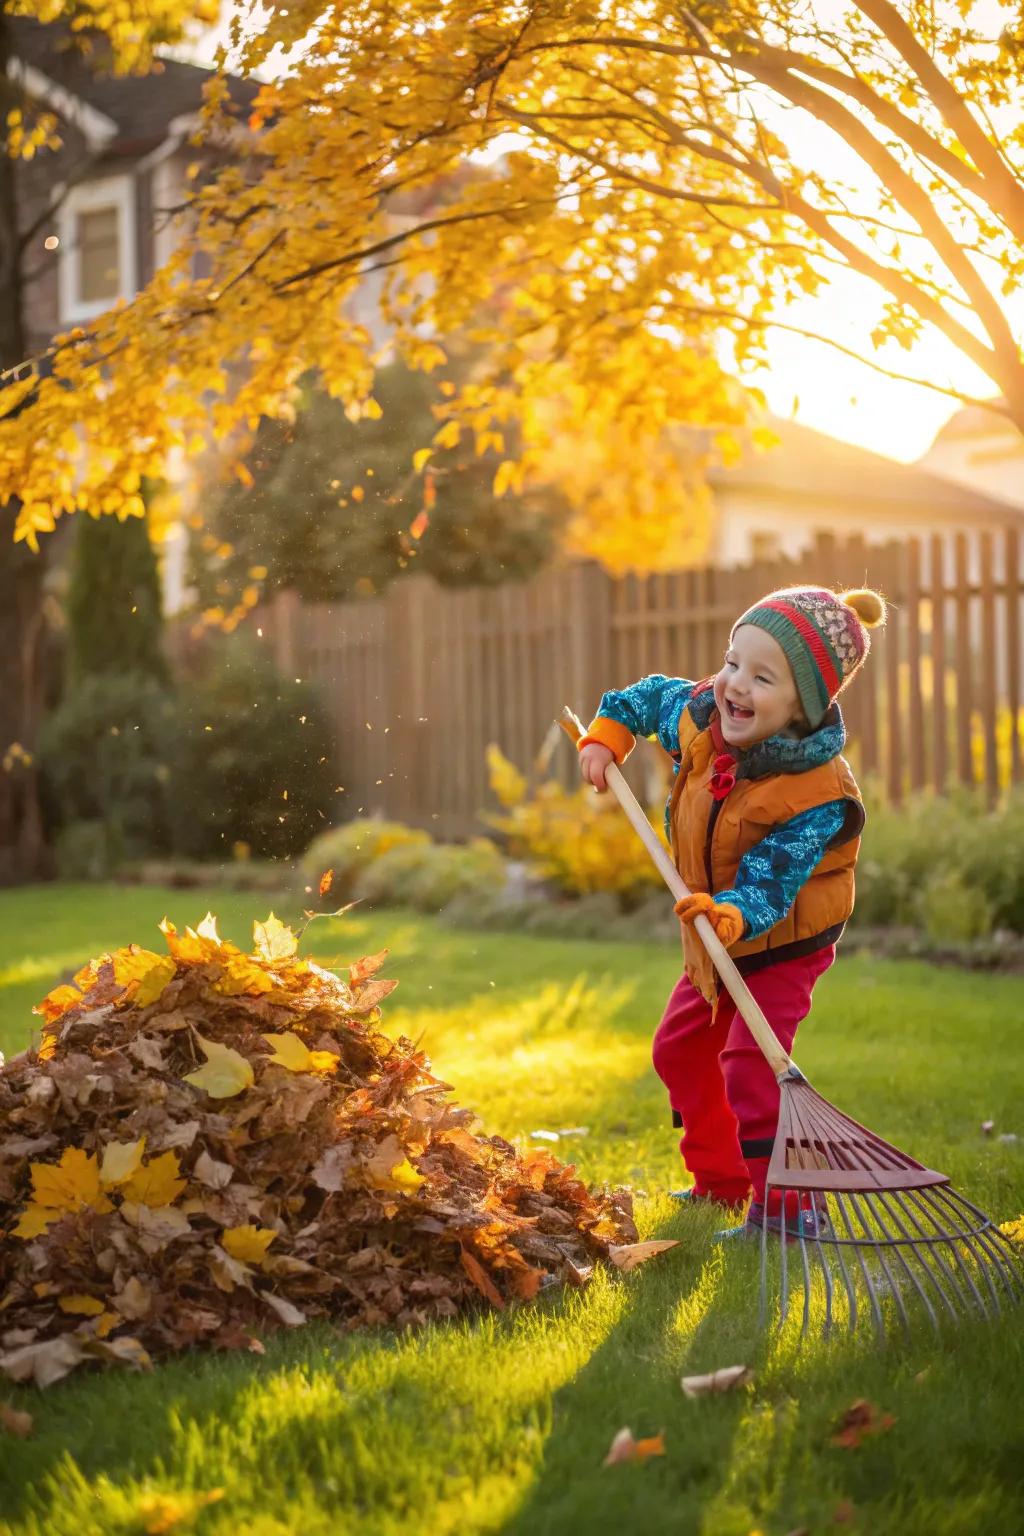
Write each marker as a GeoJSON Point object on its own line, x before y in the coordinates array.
{"type": "Point", "coordinates": [611, 734]}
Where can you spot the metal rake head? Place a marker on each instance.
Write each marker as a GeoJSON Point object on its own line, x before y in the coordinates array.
{"type": "Point", "coordinates": [862, 1226]}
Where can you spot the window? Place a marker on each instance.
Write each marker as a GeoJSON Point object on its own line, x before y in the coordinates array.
{"type": "Point", "coordinates": [97, 244]}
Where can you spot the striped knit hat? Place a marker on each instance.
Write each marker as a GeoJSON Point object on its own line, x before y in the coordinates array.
{"type": "Point", "coordinates": [824, 635]}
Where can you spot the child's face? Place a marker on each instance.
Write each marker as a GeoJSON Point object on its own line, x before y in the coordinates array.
{"type": "Point", "coordinates": [755, 691]}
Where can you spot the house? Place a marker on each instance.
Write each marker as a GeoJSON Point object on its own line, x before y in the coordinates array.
{"type": "Point", "coordinates": [96, 213]}
{"type": "Point", "coordinates": [981, 450]}
{"type": "Point", "coordinates": [777, 501]}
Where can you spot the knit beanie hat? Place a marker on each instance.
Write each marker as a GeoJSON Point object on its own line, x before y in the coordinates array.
{"type": "Point", "coordinates": [824, 635]}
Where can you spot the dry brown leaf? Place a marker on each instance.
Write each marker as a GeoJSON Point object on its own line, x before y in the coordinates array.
{"type": "Point", "coordinates": [289, 1314]}
{"type": "Point", "coordinates": [14, 1422]}
{"type": "Point", "coordinates": [326, 881]}
{"type": "Point", "coordinates": [725, 1379]}
{"type": "Point", "coordinates": [481, 1279]}
{"type": "Point", "coordinates": [330, 1171]}
{"type": "Point", "coordinates": [369, 965]}
{"type": "Point", "coordinates": [628, 1256]}
{"type": "Point", "coordinates": [214, 1174]}
{"type": "Point", "coordinates": [45, 1362]}
{"type": "Point", "coordinates": [134, 1299]}
{"type": "Point", "coordinates": [859, 1421]}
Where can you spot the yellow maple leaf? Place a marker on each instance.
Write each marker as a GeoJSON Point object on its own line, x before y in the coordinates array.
{"type": "Point", "coordinates": [242, 974]}
{"type": "Point", "coordinates": [132, 963]}
{"type": "Point", "coordinates": [273, 940]}
{"type": "Point", "coordinates": [190, 946]}
{"type": "Point", "coordinates": [248, 1244]}
{"type": "Point", "coordinates": [158, 1183]}
{"type": "Point", "coordinates": [33, 1220]}
{"type": "Point", "coordinates": [225, 1073]}
{"type": "Point", "coordinates": [81, 1306]}
{"type": "Point", "coordinates": [56, 1003]}
{"type": "Point", "coordinates": [120, 1160]}
{"type": "Point", "coordinates": [152, 984]}
{"type": "Point", "coordinates": [69, 1184]}
{"type": "Point", "coordinates": [291, 1052]}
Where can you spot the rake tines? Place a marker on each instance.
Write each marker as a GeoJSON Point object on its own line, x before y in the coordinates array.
{"type": "Point", "coordinates": [868, 1224]}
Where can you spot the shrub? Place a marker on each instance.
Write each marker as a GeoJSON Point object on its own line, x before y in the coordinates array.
{"type": "Point", "coordinates": [253, 761]}
{"type": "Point", "coordinates": [107, 757]}
{"type": "Point", "coordinates": [430, 876]}
{"type": "Point", "coordinates": [579, 841]}
{"type": "Point", "coordinates": [353, 848]}
{"type": "Point", "coordinates": [951, 910]}
{"type": "Point", "coordinates": [946, 864]}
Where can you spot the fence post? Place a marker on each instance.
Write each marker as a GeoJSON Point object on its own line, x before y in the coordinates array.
{"type": "Point", "coordinates": [590, 636]}
{"type": "Point", "coordinates": [284, 612]}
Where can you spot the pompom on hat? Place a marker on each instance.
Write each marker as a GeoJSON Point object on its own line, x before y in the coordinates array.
{"type": "Point", "coordinates": [824, 636]}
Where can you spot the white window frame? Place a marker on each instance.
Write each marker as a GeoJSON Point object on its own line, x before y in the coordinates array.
{"type": "Point", "coordinates": [110, 192]}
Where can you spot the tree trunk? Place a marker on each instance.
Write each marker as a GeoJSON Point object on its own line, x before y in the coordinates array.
{"type": "Point", "coordinates": [23, 854]}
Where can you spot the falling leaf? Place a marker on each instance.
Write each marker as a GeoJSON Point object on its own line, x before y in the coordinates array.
{"type": "Point", "coordinates": [722, 1380]}
{"type": "Point", "coordinates": [481, 1279]}
{"type": "Point", "coordinates": [158, 1183]}
{"type": "Point", "coordinates": [81, 1306]}
{"type": "Point", "coordinates": [360, 970]}
{"type": "Point", "coordinates": [628, 1256]}
{"type": "Point", "coordinates": [625, 1448]}
{"type": "Point", "coordinates": [225, 1074]}
{"type": "Point", "coordinates": [272, 940]}
{"type": "Point", "coordinates": [248, 1244]}
{"type": "Point", "coordinates": [161, 1512]}
{"type": "Point", "coordinates": [419, 524]}
{"type": "Point", "coordinates": [120, 1160]}
{"type": "Point", "coordinates": [13, 1422]}
{"type": "Point", "coordinates": [326, 881]}
{"type": "Point", "coordinates": [859, 1421]}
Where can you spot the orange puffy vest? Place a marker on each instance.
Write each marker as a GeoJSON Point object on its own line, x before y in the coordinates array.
{"type": "Point", "coordinates": [709, 838]}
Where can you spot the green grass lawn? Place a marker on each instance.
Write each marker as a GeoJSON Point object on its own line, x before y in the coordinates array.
{"type": "Point", "coordinates": [500, 1424]}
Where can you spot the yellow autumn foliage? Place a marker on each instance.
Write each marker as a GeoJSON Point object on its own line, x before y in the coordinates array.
{"type": "Point", "coordinates": [578, 840]}
{"type": "Point", "coordinates": [596, 196]}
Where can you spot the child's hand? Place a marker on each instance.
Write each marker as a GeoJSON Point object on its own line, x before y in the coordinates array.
{"type": "Point", "coordinates": [726, 919]}
{"type": "Point", "coordinates": [594, 759]}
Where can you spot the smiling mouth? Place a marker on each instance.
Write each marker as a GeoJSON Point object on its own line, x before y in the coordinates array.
{"type": "Point", "coordinates": [736, 713]}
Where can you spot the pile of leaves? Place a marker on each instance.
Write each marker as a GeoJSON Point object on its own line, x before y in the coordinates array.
{"type": "Point", "coordinates": [209, 1143]}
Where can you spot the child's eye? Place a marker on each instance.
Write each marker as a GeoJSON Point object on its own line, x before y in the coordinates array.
{"type": "Point", "coordinates": [761, 679]}
{"type": "Point", "coordinates": [730, 663]}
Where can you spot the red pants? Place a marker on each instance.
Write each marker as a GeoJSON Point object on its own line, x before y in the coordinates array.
{"type": "Point", "coordinates": [720, 1084]}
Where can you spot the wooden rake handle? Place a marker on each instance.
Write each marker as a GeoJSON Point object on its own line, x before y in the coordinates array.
{"type": "Point", "coordinates": [746, 1003]}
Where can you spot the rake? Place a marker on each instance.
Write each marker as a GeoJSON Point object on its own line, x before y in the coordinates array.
{"type": "Point", "coordinates": [896, 1231]}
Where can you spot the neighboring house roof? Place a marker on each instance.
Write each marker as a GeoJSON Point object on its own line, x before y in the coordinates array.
{"type": "Point", "coordinates": [973, 421]}
{"type": "Point", "coordinates": [141, 107]}
{"type": "Point", "coordinates": [810, 464]}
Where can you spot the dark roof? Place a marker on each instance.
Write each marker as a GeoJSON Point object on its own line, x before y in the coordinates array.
{"type": "Point", "coordinates": [142, 106]}
{"type": "Point", "coordinates": [807, 463]}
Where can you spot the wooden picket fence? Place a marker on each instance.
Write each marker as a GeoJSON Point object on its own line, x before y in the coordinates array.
{"type": "Point", "coordinates": [419, 681]}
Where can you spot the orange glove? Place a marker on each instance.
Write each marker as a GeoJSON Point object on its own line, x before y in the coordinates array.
{"type": "Point", "coordinates": [727, 921]}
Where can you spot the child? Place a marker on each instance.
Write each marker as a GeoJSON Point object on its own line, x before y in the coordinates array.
{"type": "Point", "coordinates": [764, 820]}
